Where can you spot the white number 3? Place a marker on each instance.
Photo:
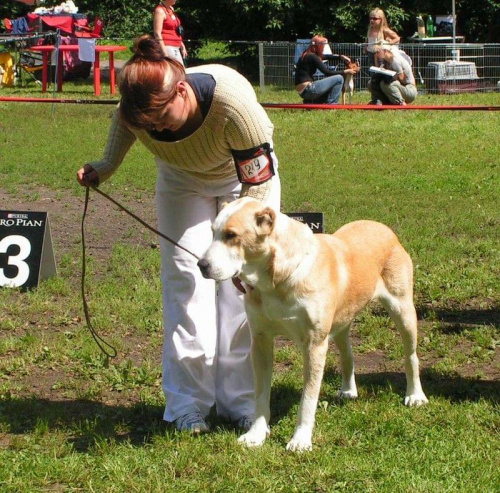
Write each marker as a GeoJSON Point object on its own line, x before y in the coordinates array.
{"type": "Point", "coordinates": [16, 260]}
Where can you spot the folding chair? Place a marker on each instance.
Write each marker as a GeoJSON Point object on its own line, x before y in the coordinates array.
{"type": "Point", "coordinates": [83, 31]}
{"type": "Point", "coordinates": [7, 69]}
{"type": "Point", "coordinates": [16, 26]}
{"type": "Point", "coordinates": [31, 63]}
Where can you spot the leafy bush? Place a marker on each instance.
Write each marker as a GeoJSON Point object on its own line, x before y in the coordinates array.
{"type": "Point", "coordinates": [284, 20]}
{"type": "Point", "coordinates": [121, 19]}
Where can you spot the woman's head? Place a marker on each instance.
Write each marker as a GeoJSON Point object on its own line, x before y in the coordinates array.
{"type": "Point", "coordinates": [317, 45]}
{"type": "Point", "coordinates": [148, 81]}
{"type": "Point", "coordinates": [377, 20]}
{"type": "Point", "coordinates": [385, 51]}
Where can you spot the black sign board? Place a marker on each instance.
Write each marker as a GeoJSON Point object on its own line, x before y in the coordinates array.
{"type": "Point", "coordinates": [314, 220]}
{"type": "Point", "coordinates": [26, 253]}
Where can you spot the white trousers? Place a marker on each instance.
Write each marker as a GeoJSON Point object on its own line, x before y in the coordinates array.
{"type": "Point", "coordinates": [206, 347]}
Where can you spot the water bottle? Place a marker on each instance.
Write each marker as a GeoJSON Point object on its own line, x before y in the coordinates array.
{"type": "Point", "coordinates": [420, 27]}
{"type": "Point", "coordinates": [430, 27]}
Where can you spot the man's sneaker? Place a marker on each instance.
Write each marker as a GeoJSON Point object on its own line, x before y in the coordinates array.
{"type": "Point", "coordinates": [245, 422]}
{"type": "Point", "coordinates": [375, 102]}
{"type": "Point", "coordinates": [192, 422]}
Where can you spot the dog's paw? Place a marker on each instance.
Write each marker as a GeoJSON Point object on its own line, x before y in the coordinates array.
{"type": "Point", "coordinates": [301, 440]}
{"type": "Point", "coordinates": [416, 400]}
{"type": "Point", "coordinates": [295, 445]}
{"type": "Point", "coordinates": [254, 438]}
{"type": "Point", "coordinates": [347, 394]}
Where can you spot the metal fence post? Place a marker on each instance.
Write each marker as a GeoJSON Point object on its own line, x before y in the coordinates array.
{"type": "Point", "coordinates": [261, 67]}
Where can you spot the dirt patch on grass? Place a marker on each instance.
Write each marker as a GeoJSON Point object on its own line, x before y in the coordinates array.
{"type": "Point", "coordinates": [105, 225]}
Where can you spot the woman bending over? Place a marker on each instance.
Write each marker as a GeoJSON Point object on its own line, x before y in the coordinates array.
{"type": "Point", "coordinates": [212, 142]}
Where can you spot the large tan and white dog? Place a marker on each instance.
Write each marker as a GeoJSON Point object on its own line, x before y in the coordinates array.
{"type": "Point", "coordinates": [307, 286]}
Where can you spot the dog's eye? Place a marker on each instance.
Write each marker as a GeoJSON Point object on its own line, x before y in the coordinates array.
{"type": "Point", "coordinates": [229, 235]}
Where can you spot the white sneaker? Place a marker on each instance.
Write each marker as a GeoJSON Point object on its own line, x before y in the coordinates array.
{"type": "Point", "coordinates": [194, 423]}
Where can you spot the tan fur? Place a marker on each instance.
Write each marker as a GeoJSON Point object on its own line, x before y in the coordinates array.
{"type": "Point", "coordinates": [308, 287]}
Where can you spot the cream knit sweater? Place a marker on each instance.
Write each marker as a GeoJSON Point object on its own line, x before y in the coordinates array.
{"type": "Point", "coordinates": [236, 121]}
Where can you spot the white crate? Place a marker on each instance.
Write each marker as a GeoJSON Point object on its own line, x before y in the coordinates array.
{"type": "Point", "coordinates": [453, 70]}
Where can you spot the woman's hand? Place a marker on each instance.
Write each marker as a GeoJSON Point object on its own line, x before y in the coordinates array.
{"type": "Point", "coordinates": [350, 71]}
{"type": "Point", "coordinates": [87, 176]}
{"type": "Point", "coordinates": [345, 58]}
{"type": "Point", "coordinates": [184, 52]}
{"type": "Point", "coordinates": [401, 77]}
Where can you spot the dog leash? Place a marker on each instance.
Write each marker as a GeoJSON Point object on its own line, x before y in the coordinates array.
{"type": "Point", "coordinates": [104, 346]}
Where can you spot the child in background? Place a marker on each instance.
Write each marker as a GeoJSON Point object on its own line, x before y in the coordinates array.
{"type": "Point", "coordinates": [378, 31]}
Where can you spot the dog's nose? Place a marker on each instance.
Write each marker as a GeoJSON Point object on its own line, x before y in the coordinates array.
{"type": "Point", "coordinates": [203, 265]}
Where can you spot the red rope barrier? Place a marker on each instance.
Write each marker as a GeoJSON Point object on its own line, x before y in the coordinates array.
{"type": "Point", "coordinates": [57, 100]}
{"type": "Point", "coordinates": [301, 106]}
{"type": "Point", "coordinates": [286, 106]}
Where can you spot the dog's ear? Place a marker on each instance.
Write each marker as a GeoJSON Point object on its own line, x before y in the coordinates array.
{"type": "Point", "coordinates": [265, 220]}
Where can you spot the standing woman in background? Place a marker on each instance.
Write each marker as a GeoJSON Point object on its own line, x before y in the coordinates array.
{"type": "Point", "coordinates": [378, 31]}
{"type": "Point", "coordinates": [168, 30]}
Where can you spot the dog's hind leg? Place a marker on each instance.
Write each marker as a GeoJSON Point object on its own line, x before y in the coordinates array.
{"type": "Point", "coordinates": [314, 355]}
{"type": "Point", "coordinates": [395, 292]}
{"type": "Point", "coordinates": [262, 361]}
{"type": "Point", "coordinates": [348, 390]}
{"type": "Point", "coordinates": [402, 311]}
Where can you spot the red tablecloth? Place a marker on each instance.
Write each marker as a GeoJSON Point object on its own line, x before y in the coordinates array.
{"type": "Point", "coordinates": [64, 22]}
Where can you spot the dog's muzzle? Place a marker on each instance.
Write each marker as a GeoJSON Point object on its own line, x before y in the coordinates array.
{"type": "Point", "coordinates": [204, 266]}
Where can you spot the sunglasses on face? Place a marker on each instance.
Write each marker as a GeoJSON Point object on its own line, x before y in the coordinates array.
{"type": "Point", "coordinates": [375, 18]}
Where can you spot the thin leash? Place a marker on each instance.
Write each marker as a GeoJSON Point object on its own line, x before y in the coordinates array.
{"type": "Point", "coordinates": [104, 346]}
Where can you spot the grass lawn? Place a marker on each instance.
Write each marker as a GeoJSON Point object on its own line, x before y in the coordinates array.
{"type": "Point", "coordinates": [72, 420]}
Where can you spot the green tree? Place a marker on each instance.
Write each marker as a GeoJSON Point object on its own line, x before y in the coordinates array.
{"type": "Point", "coordinates": [122, 19]}
{"type": "Point", "coordinates": [287, 20]}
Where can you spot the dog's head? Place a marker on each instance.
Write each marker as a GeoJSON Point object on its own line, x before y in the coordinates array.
{"type": "Point", "coordinates": [354, 66]}
{"type": "Point", "coordinates": [241, 231]}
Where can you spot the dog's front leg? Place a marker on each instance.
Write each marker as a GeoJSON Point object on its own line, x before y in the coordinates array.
{"type": "Point", "coordinates": [262, 360]}
{"type": "Point", "coordinates": [314, 364]}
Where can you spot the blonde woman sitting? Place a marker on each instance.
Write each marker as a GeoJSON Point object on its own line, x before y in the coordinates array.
{"type": "Point", "coordinates": [399, 89]}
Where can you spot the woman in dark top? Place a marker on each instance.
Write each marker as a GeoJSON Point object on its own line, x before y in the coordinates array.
{"type": "Point", "coordinates": [326, 90]}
